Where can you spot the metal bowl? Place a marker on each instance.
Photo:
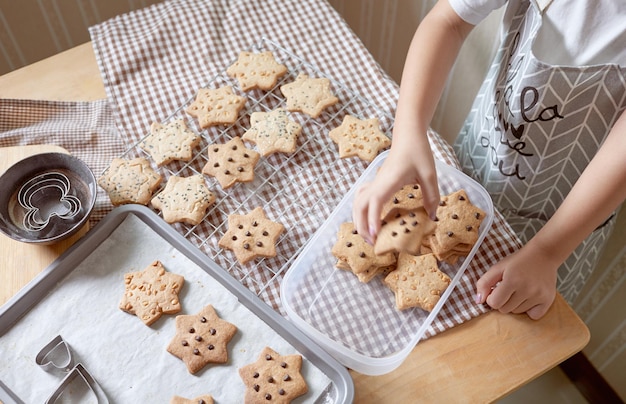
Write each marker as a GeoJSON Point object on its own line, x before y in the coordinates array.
{"type": "Point", "coordinates": [46, 198]}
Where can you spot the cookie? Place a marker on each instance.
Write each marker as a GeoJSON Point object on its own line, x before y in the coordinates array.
{"type": "Point", "coordinates": [352, 249]}
{"type": "Point", "coordinates": [308, 95]}
{"type": "Point", "coordinates": [369, 273]}
{"type": "Point", "coordinates": [130, 181]}
{"type": "Point", "coordinates": [430, 245]}
{"type": "Point", "coordinates": [404, 231]}
{"type": "Point", "coordinates": [231, 162]}
{"type": "Point", "coordinates": [184, 199]}
{"type": "Point", "coordinates": [417, 281]}
{"type": "Point", "coordinates": [170, 141]}
{"type": "Point", "coordinates": [206, 399]}
{"type": "Point", "coordinates": [458, 221]}
{"type": "Point", "coordinates": [256, 70]}
{"type": "Point", "coordinates": [273, 378]}
{"type": "Point", "coordinates": [361, 138]}
{"type": "Point", "coordinates": [273, 132]}
{"type": "Point", "coordinates": [201, 339]}
{"type": "Point", "coordinates": [409, 197]}
{"type": "Point", "coordinates": [216, 106]}
{"type": "Point", "coordinates": [151, 293]}
{"type": "Point", "coordinates": [251, 236]}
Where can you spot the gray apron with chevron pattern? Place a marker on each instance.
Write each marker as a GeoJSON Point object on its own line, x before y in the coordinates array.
{"type": "Point", "coordinates": [533, 129]}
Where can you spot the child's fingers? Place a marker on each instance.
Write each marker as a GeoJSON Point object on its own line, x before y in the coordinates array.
{"type": "Point", "coordinates": [430, 193]}
{"type": "Point", "coordinates": [538, 311]}
{"type": "Point", "coordinates": [360, 208]}
{"type": "Point", "coordinates": [487, 283]}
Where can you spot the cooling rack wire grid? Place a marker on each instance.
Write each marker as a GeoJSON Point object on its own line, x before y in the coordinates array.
{"type": "Point", "coordinates": [299, 190]}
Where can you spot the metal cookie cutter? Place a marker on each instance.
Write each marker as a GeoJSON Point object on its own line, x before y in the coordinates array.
{"type": "Point", "coordinates": [55, 355]}
{"type": "Point", "coordinates": [73, 379]}
{"type": "Point", "coordinates": [45, 196]}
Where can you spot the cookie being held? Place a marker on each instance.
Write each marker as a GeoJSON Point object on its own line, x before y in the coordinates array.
{"type": "Point", "coordinates": [273, 378]}
{"type": "Point", "coordinates": [407, 198]}
{"type": "Point", "coordinates": [256, 70]}
{"type": "Point", "coordinates": [361, 138]}
{"type": "Point", "coordinates": [403, 232]}
{"type": "Point", "coordinates": [251, 236]}
{"type": "Point", "coordinates": [151, 293]}
{"type": "Point", "coordinates": [309, 95]}
{"type": "Point", "coordinates": [201, 339]}
{"type": "Point", "coordinates": [130, 181]}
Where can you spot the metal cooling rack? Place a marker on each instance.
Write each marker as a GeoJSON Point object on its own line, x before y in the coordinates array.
{"type": "Point", "coordinates": [299, 190]}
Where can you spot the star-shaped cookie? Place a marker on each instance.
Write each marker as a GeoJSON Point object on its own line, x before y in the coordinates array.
{"type": "Point", "coordinates": [409, 197]}
{"type": "Point", "coordinates": [219, 106]}
{"type": "Point", "coordinates": [362, 138]}
{"type": "Point", "coordinates": [273, 132]}
{"type": "Point", "coordinates": [404, 231]}
{"type": "Point", "coordinates": [251, 236]}
{"type": "Point", "coordinates": [309, 95]}
{"type": "Point", "coordinates": [130, 181]}
{"type": "Point", "coordinates": [231, 162]}
{"type": "Point", "coordinates": [184, 199]}
{"type": "Point", "coordinates": [206, 399]}
{"type": "Point", "coordinates": [417, 281]}
{"type": "Point", "coordinates": [170, 141]}
{"type": "Point", "coordinates": [201, 339]}
{"type": "Point", "coordinates": [256, 70]}
{"type": "Point", "coordinates": [151, 293]}
{"type": "Point", "coordinates": [273, 378]}
{"type": "Point", "coordinates": [458, 221]}
{"type": "Point", "coordinates": [352, 249]}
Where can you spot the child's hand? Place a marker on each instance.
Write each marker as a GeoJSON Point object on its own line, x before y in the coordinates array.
{"type": "Point", "coordinates": [412, 163]}
{"type": "Point", "coordinates": [523, 282]}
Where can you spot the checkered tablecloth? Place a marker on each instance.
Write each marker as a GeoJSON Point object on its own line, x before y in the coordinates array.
{"type": "Point", "coordinates": [153, 61]}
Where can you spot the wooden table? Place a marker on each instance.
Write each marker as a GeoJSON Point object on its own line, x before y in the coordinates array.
{"type": "Point", "coordinates": [479, 361]}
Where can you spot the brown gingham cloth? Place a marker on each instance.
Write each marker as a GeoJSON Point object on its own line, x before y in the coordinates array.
{"type": "Point", "coordinates": [153, 61]}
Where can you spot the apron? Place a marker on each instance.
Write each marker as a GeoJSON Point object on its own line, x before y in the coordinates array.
{"type": "Point", "coordinates": [532, 130]}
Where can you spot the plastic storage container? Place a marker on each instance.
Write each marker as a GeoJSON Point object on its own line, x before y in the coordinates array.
{"type": "Point", "coordinates": [358, 323]}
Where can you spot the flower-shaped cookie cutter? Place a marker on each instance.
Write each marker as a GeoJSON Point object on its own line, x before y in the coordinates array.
{"type": "Point", "coordinates": [57, 355]}
{"type": "Point", "coordinates": [45, 196]}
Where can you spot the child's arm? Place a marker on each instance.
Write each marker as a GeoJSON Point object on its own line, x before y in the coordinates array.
{"type": "Point", "coordinates": [528, 277]}
{"type": "Point", "coordinates": [432, 53]}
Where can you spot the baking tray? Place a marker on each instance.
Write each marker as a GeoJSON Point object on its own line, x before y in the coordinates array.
{"type": "Point", "coordinates": [16, 311]}
{"type": "Point", "coordinates": [358, 323]}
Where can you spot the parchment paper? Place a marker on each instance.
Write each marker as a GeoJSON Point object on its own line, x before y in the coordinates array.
{"type": "Point", "coordinates": [128, 359]}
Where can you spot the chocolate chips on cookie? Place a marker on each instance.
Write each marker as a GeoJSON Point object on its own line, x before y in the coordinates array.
{"type": "Point", "coordinates": [252, 235]}
{"type": "Point", "coordinates": [273, 378]}
{"type": "Point", "coordinates": [231, 162]}
{"type": "Point", "coordinates": [355, 254]}
{"type": "Point", "coordinates": [201, 339]}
